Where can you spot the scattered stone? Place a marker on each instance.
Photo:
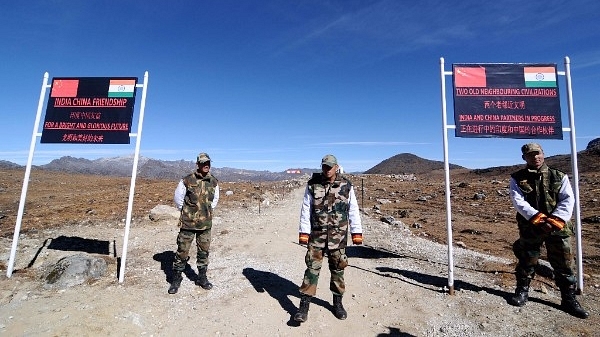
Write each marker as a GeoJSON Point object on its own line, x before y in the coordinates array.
{"type": "Point", "coordinates": [479, 196]}
{"type": "Point", "coordinates": [403, 213]}
{"type": "Point", "coordinates": [503, 193]}
{"type": "Point", "coordinates": [471, 231]}
{"type": "Point", "coordinates": [388, 219]}
{"type": "Point", "coordinates": [592, 219]}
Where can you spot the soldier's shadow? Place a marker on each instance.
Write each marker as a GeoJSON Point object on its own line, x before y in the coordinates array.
{"type": "Point", "coordinates": [419, 279]}
{"type": "Point", "coordinates": [166, 260]}
{"type": "Point", "coordinates": [279, 288]}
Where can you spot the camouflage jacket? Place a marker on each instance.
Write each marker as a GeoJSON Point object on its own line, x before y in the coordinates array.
{"type": "Point", "coordinates": [332, 207]}
{"type": "Point", "coordinates": [546, 190]}
{"type": "Point", "coordinates": [197, 210]}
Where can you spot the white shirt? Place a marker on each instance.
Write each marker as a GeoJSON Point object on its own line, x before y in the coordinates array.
{"type": "Point", "coordinates": [564, 206]}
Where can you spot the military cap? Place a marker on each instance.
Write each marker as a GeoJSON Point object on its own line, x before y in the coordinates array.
{"type": "Point", "coordinates": [329, 160]}
{"type": "Point", "coordinates": [202, 158]}
{"type": "Point", "coordinates": [531, 147]}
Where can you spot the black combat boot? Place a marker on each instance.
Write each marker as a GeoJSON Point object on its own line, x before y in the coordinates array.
{"type": "Point", "coordinates": [175, 282]}
{"type": "Point", "coordinates": [302, 314]}
{"type": "Point", "coordinates": [338, 308]}
{"type": "Point", "coordinates": [521, 292]}
{"type": "Point", "coordinates": [569, 303]}
{"type": "Point", "coordinates": [202, 280]}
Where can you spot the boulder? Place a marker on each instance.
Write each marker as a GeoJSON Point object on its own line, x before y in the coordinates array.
{"type": "Point", "coordinates": [74, 270]}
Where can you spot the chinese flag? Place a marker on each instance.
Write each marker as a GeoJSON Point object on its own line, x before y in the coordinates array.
{"type": "Point", "coordinates": [469, 77]}
{"type": "Point", "coordinates": [64, 88]}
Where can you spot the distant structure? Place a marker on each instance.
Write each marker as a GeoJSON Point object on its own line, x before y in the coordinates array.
{"type": "Point", "coordinates": [340, 169]}
{"type": "Point", "coordinates": [293, 171]}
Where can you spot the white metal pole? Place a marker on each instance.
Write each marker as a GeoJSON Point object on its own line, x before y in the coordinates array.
{"type": "Point", "coordinates": [34, 135]}
{"type": "Point", "coordinates": [133, 177]}
{"type": "Point", "coordinates": [575, 177]}
{"type": "Point", "coordinates": [447, 180]}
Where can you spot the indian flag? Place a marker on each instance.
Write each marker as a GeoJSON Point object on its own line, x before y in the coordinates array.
{"type": "Point", "coordinates": [121, 88]}
{"type": "Point", "coordinates": [540, 77]}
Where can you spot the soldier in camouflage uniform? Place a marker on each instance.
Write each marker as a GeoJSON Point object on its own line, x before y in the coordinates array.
{"type": "Point", "coordinates": [329, 209]}
{"type": "Point", "coordinates": [196, 196]}
{"type": "Point", "coordinates": [544, 202]}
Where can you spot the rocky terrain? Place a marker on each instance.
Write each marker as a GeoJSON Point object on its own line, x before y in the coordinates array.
{"type": "Point", "coordinates": [397, 281]}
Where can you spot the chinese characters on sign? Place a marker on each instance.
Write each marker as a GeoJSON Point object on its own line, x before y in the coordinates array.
{"type": "Point", "coordinates": [94, 110]}
{"type": "Point", "coordinates": [506, 100]}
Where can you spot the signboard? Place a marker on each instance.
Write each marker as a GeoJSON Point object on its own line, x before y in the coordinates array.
{"type": "Point", "coordinates": [90, 110]}
{"type": "Point", "coordinates": [506, 100]}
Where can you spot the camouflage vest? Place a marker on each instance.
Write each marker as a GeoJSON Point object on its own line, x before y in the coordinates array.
{"type": "Point", "coordinates": [329, 216]}
{"type": "Point", "coordinates": [540, 188]}
{"type": "Point", "coordinates": [197, 212]}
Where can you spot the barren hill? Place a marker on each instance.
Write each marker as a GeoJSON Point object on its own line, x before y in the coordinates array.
{"type": "Point", "coordinates": [408, 163]}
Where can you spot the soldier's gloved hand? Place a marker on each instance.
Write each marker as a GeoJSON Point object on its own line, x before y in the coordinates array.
{"type": "Point", "coordinates": [555, 222]}
{"type": "Point", "coordinates": [539, 223]}
{"type": "Point", "coordinates": [357, 238]}
{"type": "Point", "coordinates": [545, 227]}
{"type": "Point", "coordinates": [303, 238]}
{"type": "Point", "coordinates": [538, 219]}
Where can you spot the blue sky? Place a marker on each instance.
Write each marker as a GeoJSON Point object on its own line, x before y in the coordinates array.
{"type": "Point", "coordinates": [270, 85]}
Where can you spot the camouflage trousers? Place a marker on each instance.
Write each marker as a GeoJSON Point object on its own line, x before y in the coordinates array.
{"type": "Point", "coordinates": [184, 243]}
{"type": "Point", "coordinates": [558, 248]}
{"type": "Point", "coordinates": [337, 260]}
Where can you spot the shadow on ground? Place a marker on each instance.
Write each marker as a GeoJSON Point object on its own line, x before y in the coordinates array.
{"type": "Point", "coordinates": [368, 252]}
{"type": "Point", "coordinates": [395, 332]}
{"type": "Point", "coordinates": [280, 289]}
{"type": "Point", "coordinates": [440, 284]}
{"type": "Point", "coordinates": [74, 243]}
{"type": "Point", "coordinates": [166, 260]}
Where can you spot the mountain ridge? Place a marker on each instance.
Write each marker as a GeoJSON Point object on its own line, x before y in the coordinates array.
{"type": "Point", "coordinates": [403, 163]}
